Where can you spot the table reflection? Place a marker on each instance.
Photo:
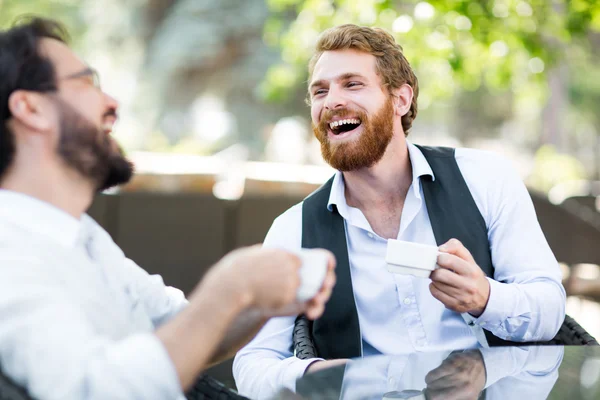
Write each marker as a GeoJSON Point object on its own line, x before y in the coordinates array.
{"type": "Point", "coordinates": [498, 373]}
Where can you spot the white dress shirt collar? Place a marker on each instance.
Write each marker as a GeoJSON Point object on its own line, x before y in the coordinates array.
{"type": "Point", "coordinates": [420, 167]}
{"type": "Point", "coordinates": [39, 217]}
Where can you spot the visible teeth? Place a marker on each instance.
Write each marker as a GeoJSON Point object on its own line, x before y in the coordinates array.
{"type": "Point", "coordinates": [335, 124]}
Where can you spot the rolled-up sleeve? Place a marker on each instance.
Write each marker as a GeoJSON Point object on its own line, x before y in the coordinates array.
{"type": "Point", "coordinates": [49, 346]}
{"type": "Point", "coordinates": [527, 299]}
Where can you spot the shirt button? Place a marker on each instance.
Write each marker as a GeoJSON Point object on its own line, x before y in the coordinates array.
{"type": "Point", "coordinates": [407, 301]}
{"type": "Point", "coordinates": [392, 382]}
{"type": "Point", "coordinates": [482, 323]}
{"type": "Point", "coordinates": [370, 235]}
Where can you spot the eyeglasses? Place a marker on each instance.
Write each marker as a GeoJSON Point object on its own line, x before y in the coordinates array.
{"type": "Point", "coordinates": [90, 73]}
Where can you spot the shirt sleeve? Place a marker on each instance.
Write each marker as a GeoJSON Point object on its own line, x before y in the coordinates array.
{"type": "Point", "coordinates": [48, 346]}
{"type": "Point", "coordinates": [267, 363]}
{"type": "Point", "coordinates": [527, 299]}
{"type": "Point", "coordinates": [161, 302]}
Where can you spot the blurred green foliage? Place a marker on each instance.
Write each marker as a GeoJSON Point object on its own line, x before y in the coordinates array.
{"type": "Point", "coordinates": [465, 53]}
{"type": "Point", "coordinates": [66, 11]}
{"type": "Point", "coordinates": [452, 44]}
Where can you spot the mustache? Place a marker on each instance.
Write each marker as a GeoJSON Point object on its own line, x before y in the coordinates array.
{"type": "Point", "coordinates": [328, 115]}
{"type": "Point", "coordinates": [111, 113]}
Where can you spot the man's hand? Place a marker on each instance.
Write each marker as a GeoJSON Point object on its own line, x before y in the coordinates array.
{"type": "Point", "coordinates": [267, 279]}
{"type": "Point", "coordinates": [259, 310]}
{"type": "Point", "coordinates": [461, 376]}
{"type": "Point", "coordinates": [459, 284]}
{"type": "Point", "coordinates": [270, 280]}
{"type": "Point", "coordinates": [231, 304]}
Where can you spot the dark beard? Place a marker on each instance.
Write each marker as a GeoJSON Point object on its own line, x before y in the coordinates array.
{"type": "Point", "coordinates": [363, 152]}
{"type": "Point", "coordinates": [90, 152]}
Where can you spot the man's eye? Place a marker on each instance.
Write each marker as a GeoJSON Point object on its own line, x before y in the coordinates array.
{"type": "Point", "coordinates": [319, 92]}
{"type": "Point", "coordinates": [353, 84]}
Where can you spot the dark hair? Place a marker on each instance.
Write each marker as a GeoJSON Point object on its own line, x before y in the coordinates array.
{"type": "Point", "coordinates": [22, 67]}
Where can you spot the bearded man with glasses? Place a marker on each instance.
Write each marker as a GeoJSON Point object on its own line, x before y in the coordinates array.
{"type": "Point", "coordinates": [78, 320]}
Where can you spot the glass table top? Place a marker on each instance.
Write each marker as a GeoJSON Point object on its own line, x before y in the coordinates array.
{"type": "Point", "coordinates": [544, 372]}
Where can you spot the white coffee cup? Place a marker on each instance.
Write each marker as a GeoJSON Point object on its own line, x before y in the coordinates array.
{"type": "Point", "coordinates": [408, 258]}
{"type": "Point", "coordinates": [312, 272]}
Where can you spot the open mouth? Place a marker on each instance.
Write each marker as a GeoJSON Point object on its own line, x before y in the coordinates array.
{"type": "Point", "coordinates": [343, 126]}
{"type": "Point", "coordinates": [107, 127]}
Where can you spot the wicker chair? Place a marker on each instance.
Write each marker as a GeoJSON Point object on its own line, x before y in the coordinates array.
{"type": "Point", "coordinates": [206, 388]}
{"type": "Point", "coordinates": [569, 334]}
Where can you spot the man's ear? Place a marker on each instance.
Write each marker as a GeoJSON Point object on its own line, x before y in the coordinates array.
{"type": "Point", "coordinates": [402, 98]}
{"type": "Point", "coordinates": [30, 109]}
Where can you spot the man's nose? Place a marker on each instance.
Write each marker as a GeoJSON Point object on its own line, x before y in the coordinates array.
{"type": "Point", "coordinates": [335, 99]}
{"type": "Point", "coordinates": [111, 102]}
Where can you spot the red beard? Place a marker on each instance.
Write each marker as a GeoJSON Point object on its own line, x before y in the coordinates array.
{"type": "Point", "coordinates": [367, 149]}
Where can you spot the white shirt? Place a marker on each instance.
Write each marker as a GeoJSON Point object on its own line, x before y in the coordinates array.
{"type": "Point", "coordinates": [397, 314]}
{"type": "Point", "coordinates": [76, 316]}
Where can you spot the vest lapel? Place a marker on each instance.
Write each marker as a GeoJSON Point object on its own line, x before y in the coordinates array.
{"type": "Point", "coordinates": [452, 211]}
{"type": "Point", "coordinates": [337, 333]}
{"type": "Point", "coordinates": [453, 214]}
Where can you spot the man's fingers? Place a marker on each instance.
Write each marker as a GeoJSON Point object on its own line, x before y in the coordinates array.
{"type": "Point", "coordinates": [454, 263]}
{"type": "Point", "coordinates": [455, 247]}
{"type": "Point", "coordinates": [316, 305]}
{"type": "Point", "coordinates": [449, 301]}
{"type": "Point", "coordinates": [331, 264]}
{"type": "Point", "coordinates": [328, 284]}
{"type": "Point", "coordinates": [438, 373]}
{"type": "Point", "coordinates": [449, 381]}
{"type": "Point", "coordinates": [455, 293]}
{"type": "Point", "coordinates": [447, 277]}
{"type": "Point", "coordinates": [313, 313]}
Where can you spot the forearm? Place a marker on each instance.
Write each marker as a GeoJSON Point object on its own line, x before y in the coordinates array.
{"type": "Point", "coordinates": [530, 311]}
{"type": "Point", "coordinates": [262, 377]}
{"type": "Point", "coordinates": [267, 363]}
{"type": "Point", "coordinates": [244, 328]}
{"type": "Point", "coordinates": [193, 336]}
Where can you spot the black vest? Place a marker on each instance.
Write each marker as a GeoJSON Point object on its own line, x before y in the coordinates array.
{"type": "Point", "coordinates": [453, 214]}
